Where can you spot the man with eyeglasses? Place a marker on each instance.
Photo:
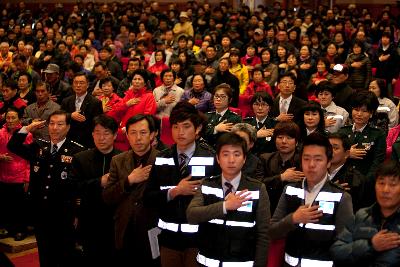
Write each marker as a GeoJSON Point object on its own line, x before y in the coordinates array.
{"type": "Point", "coordinates": [286, 106]}
{"type": "Point", "coordinates": [261, 104]}
{"type": "Point", "coordinates": [83, 108]}
{"type": "Point", "coordinates": [222, 119]}
{"type": "Point", "coordinates": [51, 188]}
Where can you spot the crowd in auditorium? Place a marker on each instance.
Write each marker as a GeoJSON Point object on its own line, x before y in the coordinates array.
{"type": "Point", "coordinates": [197, 134]}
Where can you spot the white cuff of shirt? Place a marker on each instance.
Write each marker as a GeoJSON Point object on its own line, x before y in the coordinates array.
{"type": "Point", "coordinates": [23, 130]}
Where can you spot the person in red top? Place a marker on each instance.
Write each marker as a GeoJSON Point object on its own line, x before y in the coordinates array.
{"type": "Point", "coordinates": [250, 60]}
{"type": "Point", "coordinates": [108, 98]}
{"type": "Point", "coordinates": [10, 100]}
{"type": "Point", "coordinates": [138, 100]}
{"type": "Point", "coordinates": [159, 66]}
{"type": "Point", "coordinates": [322, 74]}
{"type": "Point", "coordinates": [258, 84]}
{"type": "Point", "coordinates": [14, 176]}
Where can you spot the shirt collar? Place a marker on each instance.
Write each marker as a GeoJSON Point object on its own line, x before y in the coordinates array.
{"type": "Point", "coordinates": [360, 130]}
{"type": "Point", "coordinates": [316, 187]}
{"type": "Point", "coordinates": [262, 121]}
{"type": "Point", "coordinates": [189, 151]}
{"type": "Point", "coordinates": [308, 131]}
{"type": "Point", "coordinates": [281, 99]}
{"type": "Point", "coordinates": [59, 144]}
{"type": "Point", "coordinates": [334, 172]}
{"type": "Point", "coordinates": [82, 97]}
{"type": "Point", "coordinates": [222, 113]}
{"type": "Point", "coordinates": [234, 182]}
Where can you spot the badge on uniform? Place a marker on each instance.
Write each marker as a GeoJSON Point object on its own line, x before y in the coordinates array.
{"type": "Point", "coordinates": [64, 175]}
{"type": "Point", "coordinates": [35, 168]}
{"type": "Point", "coordinates": [326, 206]}
{"type": "Point", "coordinates": [66, 159]}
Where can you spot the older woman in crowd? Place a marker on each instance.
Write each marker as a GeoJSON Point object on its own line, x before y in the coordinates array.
{"type": "Point", "coordinates": [138, 100]}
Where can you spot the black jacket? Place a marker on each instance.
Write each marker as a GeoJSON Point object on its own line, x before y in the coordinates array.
{"type": "Point", "coordinates": [90, 108]}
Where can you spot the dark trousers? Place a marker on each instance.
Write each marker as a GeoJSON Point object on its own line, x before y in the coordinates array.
{"type": "Point", "coordinates": [55, 238]}
{"type": "Point", "coordinates": [13, 207]}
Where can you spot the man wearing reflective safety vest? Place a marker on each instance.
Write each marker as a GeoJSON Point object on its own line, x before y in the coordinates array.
{"type": "Point", "coordinates": [173, 181]}
{"type": "Point", "coordinates": [312, 212]}
{"type": "Point", "coordinates": [232, 211]}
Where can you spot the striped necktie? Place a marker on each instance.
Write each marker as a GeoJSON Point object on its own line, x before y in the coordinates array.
{"type": "Point", "coordinates": [229, 188]}
{"type": "Point", "coordinates": [54, 150]}
{"type": "Point", "coordinates": [183, 165]}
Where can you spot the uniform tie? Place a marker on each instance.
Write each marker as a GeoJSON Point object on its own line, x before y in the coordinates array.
{"type": "Point", "coordinates": [259, 125]}
{"type": "Point", "coordinates": [54, 150]}
{"type": "Point", "coordinates": [183, 169]}
{"type": "Point", "coordinates": [218, 117]}
{"type": "Point", "coordinates": [229, 187]}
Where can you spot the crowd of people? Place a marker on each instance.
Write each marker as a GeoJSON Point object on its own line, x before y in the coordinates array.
{"type": "Point", "coordinates": [202, 135]}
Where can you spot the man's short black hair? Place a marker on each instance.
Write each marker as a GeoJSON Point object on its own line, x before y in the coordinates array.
{"type": "Point", "coordinates": [317, 139]}
{"type": "Point", "coordinates": [343, 137]}
{"type": "Point", "coordinates": [107, 122]}
{"type": "Point", "coordinates": [231, 139]}
{"type": "Point", "coordinates": [288, 74]}
{"type": "Point", "coordinates": [185, 111]}
{"type": "Point", "coordinates": [61, 112]}
{"type": "Point", "coordinates": [388, 168]}
{"type": "Point", "coordinates": [140, 117]}
{"type": "Point", "coordinates": [10, 83]}
{"type": "Point", "coordinates": [81, 73]}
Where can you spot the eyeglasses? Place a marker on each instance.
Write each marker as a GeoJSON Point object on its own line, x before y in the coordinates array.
{"type": "Point", "coordinates": [221, 97]}
{"type": "Point", "coordinates": [287, 82]}
{"type": "Point", "coordinates": [79, 82]}
{"type": "Point", "coordinates": [260, 105]}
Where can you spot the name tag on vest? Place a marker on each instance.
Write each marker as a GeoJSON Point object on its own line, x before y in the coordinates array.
{"type": "Point", "coordinates": [326, 207]}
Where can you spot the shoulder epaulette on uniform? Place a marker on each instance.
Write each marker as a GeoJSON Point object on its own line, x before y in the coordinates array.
{"type": "Point", "coordinates": [210, 112]}
{"type": "Point", "coordinates": [77, 144]}
{"type": "Point", "coordinates": [233, 112]}
{"type": "Point", "coordinates": [43, 140]}
{"type": "Point", "coordinates": [206, 146]}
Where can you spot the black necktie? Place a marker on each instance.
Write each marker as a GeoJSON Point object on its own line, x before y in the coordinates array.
{"type": "Point", "coordinates": [218, 117]}
{"type": "Point", "coordinates": [229, 187]}
{"type": "Point", "coordinates": [259, 125]}
{"type": "Point", "coordinates": [183, 167]}
{"type": "Point", "coordinates": [54, 150]}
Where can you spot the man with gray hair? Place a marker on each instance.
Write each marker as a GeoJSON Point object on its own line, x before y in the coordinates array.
{"type": "Point", "coordinates": [253, 165]}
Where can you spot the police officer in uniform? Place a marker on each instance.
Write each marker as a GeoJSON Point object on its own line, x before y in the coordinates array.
{"type": "Point", "coordinates": [173, 181]}
{"type": "Point", "coordinates": [311, 212]}
{"type": "Point", "coordinates": [51, 188]}
{"type": "Point", "coordinates": [222, 119]}
{"type": "Point", "coordinates": [261, 104]}
{"type": "Point", "coordinates": [368, 144]}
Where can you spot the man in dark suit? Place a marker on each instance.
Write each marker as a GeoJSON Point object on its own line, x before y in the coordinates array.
{"type": "Point", "coordinates": [83, 108]}
{"type": "Point", "coordinates": [90, 170]}
{"type": "Point", "coordinates": [51, 187]}
{"type": "Point", "coordinates": [287, 106]}
{"type": "Point", "coordinates": [232, 211]}
{"type": "Point", "coordinates": [128, 176]}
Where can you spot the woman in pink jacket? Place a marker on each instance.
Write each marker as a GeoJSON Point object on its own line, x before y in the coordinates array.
{"type": "Point", "coordinates": [138, 100]}
{"type": "Point", "coordinates": [14, 178]}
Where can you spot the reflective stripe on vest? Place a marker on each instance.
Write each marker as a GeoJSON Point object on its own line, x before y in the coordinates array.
{"type": "Point", "coordinates": [165, 161]}
{"type": "Point", "coordinates": [202, 161]}
{"type": "Point", "coordinates": [174, 227]}
{"type": "Point", "coordinates": [293, 261]}
{"type": "Point", "coordinates": [189, 228]}
{"type": "Point", "coordinates": [315, 226]}
{"type": "Point", "coordinates": [167, 187]}
{"type": "Point", "coordinates": [328, 196]}
{"type": "Point", "coordinates": [233, 223]}
{"type": "Point", "coordinates": [294, 191]}
{"type": "Point", "coordinates": [207, 190]}
{"type": "Point", "coordinates": [322, 196]}
{"type": "Point", "coordinates": [218, 192]}
{"type": "Point", "coordinates": [216, 263]}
